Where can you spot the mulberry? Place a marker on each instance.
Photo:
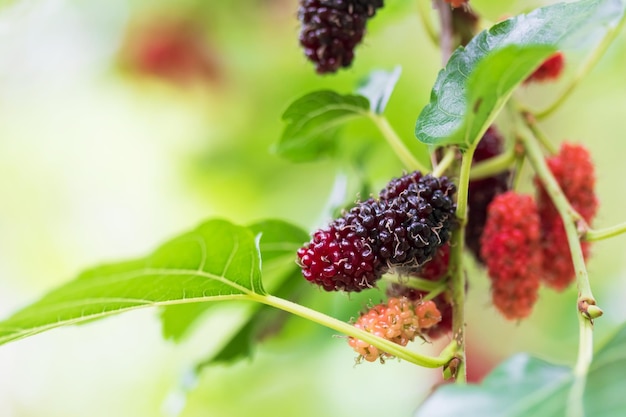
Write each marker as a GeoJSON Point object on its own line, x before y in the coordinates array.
{"type": "Point", "coordinates": [344, 256]}
{"type": "Point", "coordinates": [418, 215]}
{"type": "Point", "coordinates": [331, 29]}
{"type": "Point", "coordinates": [483, 191]}
{"type": "Point", "coordinates": [433, 270]}
{"type": "Point", "coordinates": [399, 321]}
{"type": "Point", "coordinates": [575, 173]}
{"type": "Point", "coordinates": [402, 230]}
{"type": "Point", "coordinates": [550, 70]}
{"type": "Point", "coordinates": [510, 247]}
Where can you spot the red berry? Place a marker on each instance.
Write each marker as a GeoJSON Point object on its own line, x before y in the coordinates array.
{"type": "Point", "coordinates": [433, 270]}
{"type": "Point", "coordinates": [482, 192]}
{"type": "Point", "coordinates": [510, 247]}
{"type": "Point", "coordinates": [575, 173]}
{"type": "Point", "coordinates": [550, 70]}
{"type": "Point", "coordinates": [173, 50]}
{"type": "Point", "coordinates": [400, 320]}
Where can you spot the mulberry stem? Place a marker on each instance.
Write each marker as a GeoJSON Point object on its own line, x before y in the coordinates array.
{"type": "Point", "coordinates": [575, 407]}
{"type": "Point", "coordinates": [403, 153]}
{"type": "Point", "coordinates": [600, 234]}
{"type": "Point", "coordinates": [426, 22]}
{"type": "Point", "coordinates": [348, 329]}
{"type": "Point", "coordinates": [493, 166]}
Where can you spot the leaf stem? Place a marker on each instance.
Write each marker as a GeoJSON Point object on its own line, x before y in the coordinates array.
{"type": "Point", "coordinates": [493, 166]}
{"type": "Point", "coordinates": [446, 36]}
{"type": "Point", "coordinates": [416, 282]}
{"type": "Point", "coordinates": [348, 329]}
{"type": "Point", "coordinates": [589, 64]}
{"type": "Point", "coordinates": [531, 122]}
{"type": "Point", "coordinates": [403, 153]}
{"type": "Point", "coordinates": [600, 234]}
{"type": "Point", "coordinates": [445, 162]}
{"type": "Point", "coordinates": [423, 13]}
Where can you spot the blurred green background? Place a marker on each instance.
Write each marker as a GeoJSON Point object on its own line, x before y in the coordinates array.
{"type": "Point", "coordinates": [105, 153]}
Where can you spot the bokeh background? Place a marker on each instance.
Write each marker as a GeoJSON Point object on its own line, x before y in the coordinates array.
{"type": "Point", "coordinates": [109, 146]}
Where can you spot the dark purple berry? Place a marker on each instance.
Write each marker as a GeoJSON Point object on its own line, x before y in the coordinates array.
{"type": "Point", "coordinates": [331, 29]}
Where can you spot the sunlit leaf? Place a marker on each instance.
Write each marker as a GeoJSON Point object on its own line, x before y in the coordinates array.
{"type": "Point", "coordinates": [216, 261]}
{"type": "Point", "coordinates": [279, 243]}
{"type": "Point", "coordinates": [479, 79]}
{"type": "Point", "coordinates": [313, 122]}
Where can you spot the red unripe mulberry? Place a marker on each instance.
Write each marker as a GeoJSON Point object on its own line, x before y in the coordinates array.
{"type": "Point", "coordinates": [550, 70]}
{"type": "Point", "coordinates": [400, 320]}
{"type": "Point", "coordinates": [510, 247]}
{"type": "Point", "coordinates": [575, 173]}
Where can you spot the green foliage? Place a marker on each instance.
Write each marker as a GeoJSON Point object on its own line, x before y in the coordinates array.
{"type": "Point", "coordinates": [377, 88]}
{"type": "Point", "coordinates": [313, 122]}
{"type": "Point", "coordinates": [525, 386]}
{"type": "Point", "coordinates": [216, 261]}
{"type": "Point", "coordinates": [479, 79]}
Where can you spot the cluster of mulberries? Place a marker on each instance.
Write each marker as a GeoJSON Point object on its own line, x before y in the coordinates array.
{"type": "Point", "coordinates": [403, 229]}
{"type": "Point", "coordinates": [331, 29]}
{"type": "Point", "coordinates": [400, 320]}
{"type": "Point", "coordinates": [433, 270]}
{"type": "Point", "coordinates": [574, 171]}
{"type": "Point", "coordinates": [510, 247]}
{"type": "Point", "coordinates": [482, 192]}
{"type": "Point", "coordinates": [549, 70]}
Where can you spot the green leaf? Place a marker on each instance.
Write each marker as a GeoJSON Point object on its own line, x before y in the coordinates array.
{"type": "Point", "coordinates": [279, 243]}
{"type": "Point", "coordinates": [378, 86]}
{"type": "Point", "coordinates": [606, 385]}
{"type": "Point", "coordinates": [480, 78]}
{"type": "Point", "coordinates": [528, 387]}
{"type": "Point", "coordinates": [216, 261]}
{"type": "Point", "coordinates": [521, 386]}
{"type": "Point", "coordinates": [264, 322]}
{"type": "Point", "coordinates": [313, 122]}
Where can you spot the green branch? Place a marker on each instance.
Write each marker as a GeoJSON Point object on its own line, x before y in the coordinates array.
{"type": "Point", "coordinates": [423, 13]}
{"type": "Point", "coordinates": [398, 146]}
{"type": "Point", "coordinates": [493, 166]}
{"type": "Point", "coordinates": [348, 329]}
{"type": "Point", "coordinates": [416, 283]}
{"type": "Point", "coordinates": [445, 162]}
{"type": "Point", "coordinates": [600, 234]}
{"type": "Point", "coordinates": [575, 406]}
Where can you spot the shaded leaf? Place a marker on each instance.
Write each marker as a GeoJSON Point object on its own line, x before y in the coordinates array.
{"type": "Point", "coordinates": [521, 386]}
{"type": "Point", "coordinates": [378, 86]}
{"type": "Point", "coordinates": [479, 79]}
{"type": "Point", "coordinates": [313, 122]}
{"type": "Point", "coordinates": [527, 386]}
{"type": "Point", "coordinates": [218, 260]}
{"type": "Point", "coordinates": [279, 243]}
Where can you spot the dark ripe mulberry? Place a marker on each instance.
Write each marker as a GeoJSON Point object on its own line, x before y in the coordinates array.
{"type": "Point", "coordinates": [331, 29]}
{"type": "Point", "coordinates": [404, 230]}
{"type": "Point", "coordinates": [343, 256]}
{"type": "Point", "coordinates": [418, 215]}
{"type": "Point", "coordinates": [483, 191]}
